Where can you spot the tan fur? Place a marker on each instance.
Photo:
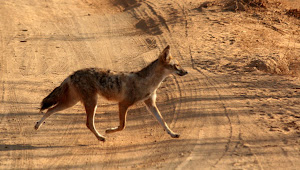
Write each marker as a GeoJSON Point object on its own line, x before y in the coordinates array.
{"type": "Point", "coordinates": [125, 88]}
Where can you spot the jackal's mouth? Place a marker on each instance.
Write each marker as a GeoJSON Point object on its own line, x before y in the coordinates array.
{"type": "Point", "coordinates": [182, 72]}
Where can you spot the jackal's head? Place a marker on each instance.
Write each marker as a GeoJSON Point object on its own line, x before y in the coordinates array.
{"type": "Point", "coordinates": [170, 63]}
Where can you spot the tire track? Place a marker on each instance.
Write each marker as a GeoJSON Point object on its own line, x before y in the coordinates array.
{"type": "Point", "coordinates": [160, 18]}
{"type": "Point", "coordinates": [3, 69]}
{"type": "Point", "coordinates": [13, 125]}
{"type": "Point", "coordinates": [230, 135]}
{"type": "Point", "coordinates": [219, 96]}
{"type": "Point", "coordinates": [234, 140]}
{"type": "Point", "coordinates": [178, 86]}
{"type": "Point", "coordinates": [161, 41]}
{"type": "Point", "coordinates": [212, 83]}
{"type": "Point", "coordinates": [76, 44]}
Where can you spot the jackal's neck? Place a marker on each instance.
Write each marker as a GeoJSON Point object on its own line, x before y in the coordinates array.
{"type": "Point", "coordinates": [153, 74]}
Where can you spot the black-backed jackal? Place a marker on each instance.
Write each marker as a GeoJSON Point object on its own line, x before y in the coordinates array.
{"type": "Point", "coordinates": [126, 88]}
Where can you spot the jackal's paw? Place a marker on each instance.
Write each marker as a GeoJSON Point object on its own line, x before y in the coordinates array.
{"type": "Point", "coordinates": [175, 135]}
{"type": "Point", "coordinates": [101, 139]}
{"type": "Point", "coordinates": [36, 127]}
{"type": "Point", "coordinates": [108, 131]}
{"type": "Point", "coordinates": [111, 130]}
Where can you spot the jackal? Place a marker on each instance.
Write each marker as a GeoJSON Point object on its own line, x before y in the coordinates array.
{"type": "Point", "coordinates": [125, 88]}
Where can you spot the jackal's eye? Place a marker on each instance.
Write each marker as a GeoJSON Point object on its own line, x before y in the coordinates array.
{"type": "Point", "coordinates": [176, 66]}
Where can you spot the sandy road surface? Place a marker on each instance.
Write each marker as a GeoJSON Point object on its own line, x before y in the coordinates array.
{"type": "Point", "coordinates": [227, 119]}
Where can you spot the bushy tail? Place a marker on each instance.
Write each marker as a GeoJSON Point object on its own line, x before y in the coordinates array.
{"type": "Point", "coordinates": [55, 96]}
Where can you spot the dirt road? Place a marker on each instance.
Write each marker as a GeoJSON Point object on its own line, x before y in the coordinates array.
{"type": "Point", "coordinates": [228, 117]}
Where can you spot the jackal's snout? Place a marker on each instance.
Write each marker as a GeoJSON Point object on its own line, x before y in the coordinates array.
{"type": "Point", "coordinates": [179, 70]}
{"type": "Point", "coordinates": [182, 72]}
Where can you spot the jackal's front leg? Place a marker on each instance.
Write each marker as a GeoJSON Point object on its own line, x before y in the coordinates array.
{"type": "Point", "coordinates": [123, 107]}
{"type": "Point", "coordinates": [151, 105]}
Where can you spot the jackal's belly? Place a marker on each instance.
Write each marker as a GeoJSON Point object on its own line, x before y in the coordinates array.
{"type": "Point", "coordinates": [111, 94]}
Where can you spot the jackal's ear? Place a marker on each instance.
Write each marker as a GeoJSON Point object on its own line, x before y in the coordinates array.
{"type": "Point", "coordinates": [165, 55]}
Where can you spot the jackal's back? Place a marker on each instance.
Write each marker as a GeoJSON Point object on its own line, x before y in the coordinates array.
{"type": "Point", "coordinates": [95, 80]}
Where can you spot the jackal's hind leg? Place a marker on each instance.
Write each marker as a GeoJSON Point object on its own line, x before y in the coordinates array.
{"type": "Point", "coordinates": [49, 112]}
{"type": "Point", "coordinates": [122, 116]}
{"type": "Point", "coordinates": [69, 99]}
{"type": "Point", "coordinates": [151, 105]}
{"type": "Point", "coordinates": [90, 108]}
{"type": "Point", "coordinates": [67, 103]}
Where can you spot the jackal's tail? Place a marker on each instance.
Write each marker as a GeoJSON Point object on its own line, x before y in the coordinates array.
{"type": "Point", "coordinates": [55, 96]}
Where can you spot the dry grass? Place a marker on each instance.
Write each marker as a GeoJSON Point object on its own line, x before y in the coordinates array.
{"type": "Point", "coordinates": [281, 66]}
{"type": "Point", "coordinates": [244, 5]}
{"type": "Point", "coordinates": [294, 12]}
{"type": "Point", "coordinates": [291, 8]}
{"type": "Point", "coordinates": [293, 64]}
